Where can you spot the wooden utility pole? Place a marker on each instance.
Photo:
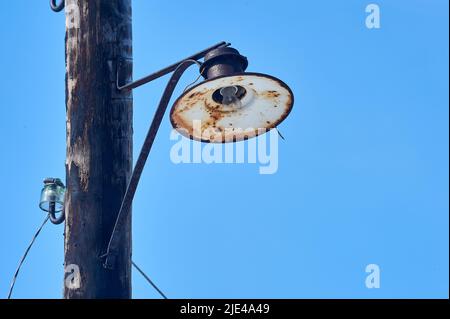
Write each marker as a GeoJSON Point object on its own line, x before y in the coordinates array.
{"type": "Point", "coordinates": [99, 145]}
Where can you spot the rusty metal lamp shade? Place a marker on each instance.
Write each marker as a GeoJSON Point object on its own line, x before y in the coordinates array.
{"type": "Point", "coordinates": [230, 105]}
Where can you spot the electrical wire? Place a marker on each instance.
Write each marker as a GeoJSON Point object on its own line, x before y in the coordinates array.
{"type": "Point", "coordinates": [192, 83]}
{"type": "Point", "coordinates": [198, 77]}
{"type": "Point", "coordinates": [148, 279]}
{"type": "Point", "coordinates": [22, 260]}
{"type": "Point", "coordinates": [53, 3]}
{"type": "Point", "coordinates": [13, 282]}
{"type": "Point", "coordinates": [279, 133]}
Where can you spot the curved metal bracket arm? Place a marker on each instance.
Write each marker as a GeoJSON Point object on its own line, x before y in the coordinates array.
{"type": "Point", "coordinates": [113, 244]}
{"type": "Point", "coordinates": [166, 70]}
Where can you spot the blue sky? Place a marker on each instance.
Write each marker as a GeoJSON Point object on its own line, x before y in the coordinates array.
{"type": "Point", "coordinates": [363, 172]}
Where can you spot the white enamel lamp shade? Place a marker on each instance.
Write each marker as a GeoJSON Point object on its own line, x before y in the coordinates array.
{"type": "Point", "coordinates": [202, 114]}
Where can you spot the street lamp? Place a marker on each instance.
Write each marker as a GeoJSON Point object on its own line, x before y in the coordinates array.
{"type": "Point", "coordinates": [230, 104]}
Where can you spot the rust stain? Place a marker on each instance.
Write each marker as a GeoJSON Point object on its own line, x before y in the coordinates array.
{"type": "Point", "coordinates": [214, 113]}
{"type": "Point", "coordinates": [193, 95]}
{"type": "Point", "coordinates": [191, 100]}
{"type": "Point", "coordinates": [270, 94]}
{"type": "Point", "coordinates": [216, 116]}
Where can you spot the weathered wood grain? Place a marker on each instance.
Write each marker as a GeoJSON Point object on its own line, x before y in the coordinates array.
{"type": "Point", "coordinates": [99, 143]}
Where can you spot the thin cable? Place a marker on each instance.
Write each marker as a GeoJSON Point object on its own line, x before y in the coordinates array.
{"type": "Point", "coordinates": [25, 256]}
{"type": "Point", "coordinates": [279, 133]}
{"type": "Point", "coordinates": [192, 83]}
{"type": "Point", "coordinates": [198, 77]}
{"type": "Point", "coordinates": [148, 279]}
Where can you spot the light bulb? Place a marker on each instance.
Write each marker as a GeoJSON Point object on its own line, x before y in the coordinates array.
{"type": "Point", "coordinates": [229, 97]}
